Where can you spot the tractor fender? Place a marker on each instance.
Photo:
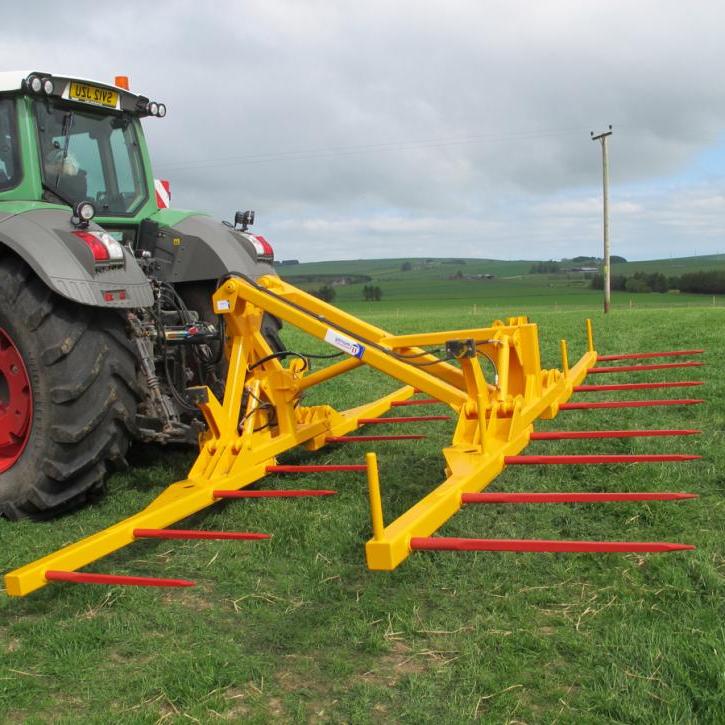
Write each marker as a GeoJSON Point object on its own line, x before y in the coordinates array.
{"type": "Point", "coordinates": [43, 238]}
{"type": "Point", "coordinates": [199, 248]}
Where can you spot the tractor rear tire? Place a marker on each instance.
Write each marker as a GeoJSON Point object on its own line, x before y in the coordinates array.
{"type": "Point", "coordinates": [68, 375]}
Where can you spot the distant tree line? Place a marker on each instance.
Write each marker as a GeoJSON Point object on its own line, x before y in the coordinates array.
{"type": "Point", "coordinates": [549, 267]}
{"type": "Point", "coordinates": [552, 267]}
{"type": "Point", "coordinates": [326, 293]}
{"type": "Point", "coordinates": [709, 283]}
{"type": "Point", "coordinates": [372, 293]}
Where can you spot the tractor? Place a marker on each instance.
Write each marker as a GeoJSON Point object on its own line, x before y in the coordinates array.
{"type": "Point", "coordinates": [105, 291]}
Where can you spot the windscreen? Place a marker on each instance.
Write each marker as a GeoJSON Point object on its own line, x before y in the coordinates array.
{"type": "Point", "coordinates": [88, 156]}
{"type": "Point", "coordinates": [9, 165]}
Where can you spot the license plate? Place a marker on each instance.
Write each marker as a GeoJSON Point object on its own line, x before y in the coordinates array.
{"type": "Point", "coordinates": [92, 94]}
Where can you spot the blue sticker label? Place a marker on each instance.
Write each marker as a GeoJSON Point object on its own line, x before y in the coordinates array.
{"type": "Point", "coordinates": [346, 344]}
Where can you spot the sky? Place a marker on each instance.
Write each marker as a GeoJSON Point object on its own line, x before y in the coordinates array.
{"type": "Point", "coordinates": [419, 129]}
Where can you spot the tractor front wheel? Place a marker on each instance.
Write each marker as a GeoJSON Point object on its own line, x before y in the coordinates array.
{"type": "Point", "coordinates": [68, 396]}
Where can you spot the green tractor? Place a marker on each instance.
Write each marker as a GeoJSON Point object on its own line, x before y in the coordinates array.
{"type": "Point", "coordinates": [105, 292]}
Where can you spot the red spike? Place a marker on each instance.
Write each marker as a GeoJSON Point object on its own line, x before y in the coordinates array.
{"type": "Point", "coordinates": [78, 577]}
{"type": "Point", "coordinates": [362, 439]}
{"type": "Point", "coordinates": [558, 435]}
{"type": "Point", "coordinates": [317, 469]}
{"type": "Point", "coordinates": [407, 419]}
{"type": "Point", "coordinates": [192, 534]}
{"type": "Point", "coordinates": [576, 459]}
{"type": "Point", "coordinates": [629, 404]}
{"type": "Point", "coordinates": [644, 355]}
{"type": "Point", "coordinates": [273, 493]}
{"type": "Point", "coordinates": [639, 368]}
{"type": "Point", "coordinates": [570, 497]}
{"type": "Point", "coordinates": [636, 386]}
{"type": "Point", "coordinates": [542, 545]}
{"type": "Point", "coordinates": [422, 401]}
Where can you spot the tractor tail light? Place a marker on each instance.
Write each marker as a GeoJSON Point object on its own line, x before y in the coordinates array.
{"type": "Point", "coordinates": [103, 246]}
{"type": "Point", "coordinates": [263, 247]}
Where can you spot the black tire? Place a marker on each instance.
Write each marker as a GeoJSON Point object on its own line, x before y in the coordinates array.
{"type": "Point", "coordinates": [82, 371]}
{"type": "Point", "coordinates": [197, 296]}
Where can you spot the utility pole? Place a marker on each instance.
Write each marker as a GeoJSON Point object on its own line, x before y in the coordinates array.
{"type": "Point", "coordinates": [602, 137]}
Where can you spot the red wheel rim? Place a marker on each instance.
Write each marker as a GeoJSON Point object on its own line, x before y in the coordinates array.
{"type": "Point", "coordinates": [16, 403]}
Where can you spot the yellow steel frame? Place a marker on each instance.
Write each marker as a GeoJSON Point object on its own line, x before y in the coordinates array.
{"type": "Point", "coordinates": [261, 416]}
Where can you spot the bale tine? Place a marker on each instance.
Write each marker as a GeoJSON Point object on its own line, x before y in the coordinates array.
{"type": "Point", "coordinates": [645, 355]}
{"type": "Point", "coordinates": [191, 534]}
{"type": "Point", "coordinates": [542, 545]}
{"type": "Point", "coordinates": [636, 386]}
{"type": "Point", "coordinates": [273, 494]}
{"type": "Point", "coordinates": [590, 459]}
{"type": "Point", "coordinates": [558, 435]}
{"type": "Point", "coordinates": [630, 404]}
{"type": "Point", "coordinates": [571, 497]}
{"type": "Point", "coordinates": [77, 577]}
{"type": "Point", "coordinates": [641, 368]}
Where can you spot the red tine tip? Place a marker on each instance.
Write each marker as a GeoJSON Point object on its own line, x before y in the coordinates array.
{"type": "Point", "coordinates": [273, 494]}
{"type": "Point", "coordinates": [556, 435]}
{"type": "Point", "coordinates": [572, 497]}
{"type": "Point", "coordinates": [192, 534]}
{"type": "Point", "coordinates": [542, 545]}
{"type": "Point", "coordinates": [630, 404]}
{"type": "Point", "coordinates": [636, 386]}
{"type": "Point", "coordinates": [640, 368]}
{"type": "Point", "coordinates": [645, 355]}
{"type": "Point", "coordinates": [78, 577]}
{"type": "Point", "coordinates": [588, 459]}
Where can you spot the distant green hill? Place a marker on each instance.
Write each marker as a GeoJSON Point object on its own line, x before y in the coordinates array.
{"type": "Point", "coordinates": [674, 266]}
{"type": "Point", "coordinates": [407, 282]}
{"type": "Point", "coordinates": [432, 268]}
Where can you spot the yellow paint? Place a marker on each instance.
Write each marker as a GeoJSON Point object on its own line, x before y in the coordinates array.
{"type": "Point", "coordinates": [494, 418]}
{"type": "Point", "coordinates": [376, 504]}
{"type": "Point", "coordinates": [590, 336]}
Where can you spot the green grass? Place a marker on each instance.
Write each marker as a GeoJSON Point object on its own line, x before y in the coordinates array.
{"type": "Point", "coordinates": [297, 629]}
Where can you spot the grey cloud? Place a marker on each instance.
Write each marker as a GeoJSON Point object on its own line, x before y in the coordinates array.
{"type": "Point", "coordinates": [369, 121]}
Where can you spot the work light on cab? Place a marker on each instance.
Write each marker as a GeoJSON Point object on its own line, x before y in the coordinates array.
{"type": "Point", "coordinates": [83, 212]}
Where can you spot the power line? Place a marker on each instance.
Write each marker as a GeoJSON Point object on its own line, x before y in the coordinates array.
{"type": "Point", "coordinates": [335, 152]}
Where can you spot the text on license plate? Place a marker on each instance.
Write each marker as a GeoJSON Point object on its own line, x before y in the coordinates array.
{"type": "Point", "coordinates": [92, 94]}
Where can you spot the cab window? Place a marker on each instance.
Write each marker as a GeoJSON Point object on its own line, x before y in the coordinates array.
{"type": "Point", "coordinates": [91, 156]}
{"type": "Point", "coordinates": [9, 157]}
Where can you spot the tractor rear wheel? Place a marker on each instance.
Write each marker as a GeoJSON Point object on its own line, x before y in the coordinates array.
{"type": "Point", "coordinates": [68, 396]}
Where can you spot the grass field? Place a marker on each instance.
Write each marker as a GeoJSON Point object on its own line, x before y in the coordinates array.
{"type": "Point", "coordinates": [296, 629]}
{"type": "Point", "coordinates": [512, 288]}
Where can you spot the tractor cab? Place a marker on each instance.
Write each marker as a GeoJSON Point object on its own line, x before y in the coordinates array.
{"type": "Point", "coordinates": [65, 141]}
